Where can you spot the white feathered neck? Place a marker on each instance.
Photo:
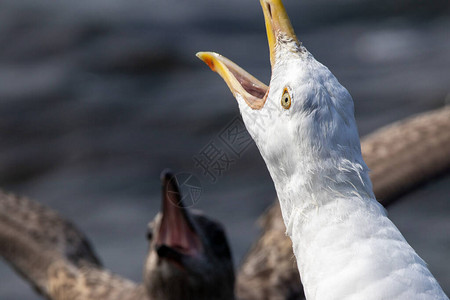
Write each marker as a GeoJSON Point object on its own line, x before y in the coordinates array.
{"type": "Point", "coordinates": [346, 247]}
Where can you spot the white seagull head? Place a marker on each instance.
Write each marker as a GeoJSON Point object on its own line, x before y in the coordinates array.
{"type": "Point", "coordinates": [304, 115]}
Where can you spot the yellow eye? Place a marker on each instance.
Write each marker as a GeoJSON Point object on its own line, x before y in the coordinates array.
{"type": "Point", "coordinates": [286, 99]}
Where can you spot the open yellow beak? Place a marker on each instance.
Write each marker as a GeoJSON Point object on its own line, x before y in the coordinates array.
{"type": "Point", "coordinates": [277, 24]}
{"type": "Point", "coordinates": [240, 82]}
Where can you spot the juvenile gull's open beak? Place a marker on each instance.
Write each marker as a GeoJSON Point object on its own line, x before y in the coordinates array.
{"type": "Point", "coordinates": [177, 236]}
{"type": "Point", "coordinates": [240, 82]}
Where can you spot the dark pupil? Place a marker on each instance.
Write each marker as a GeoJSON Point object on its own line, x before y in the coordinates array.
{"type": "Point", "coordinates": [286, 100]}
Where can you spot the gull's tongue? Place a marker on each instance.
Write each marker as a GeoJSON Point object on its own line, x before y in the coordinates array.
{"type": "Point", "coordinates": [176, 233]}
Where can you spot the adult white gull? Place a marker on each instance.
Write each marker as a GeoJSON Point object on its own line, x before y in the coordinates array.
{"type": "Point", "coordinates": [304, 127]}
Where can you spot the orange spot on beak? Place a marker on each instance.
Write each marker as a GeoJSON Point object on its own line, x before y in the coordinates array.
{"type": "Point", "coordinates": [210, 64]}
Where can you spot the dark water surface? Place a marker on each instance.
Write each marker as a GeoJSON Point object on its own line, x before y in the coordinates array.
{"type": "Point", "coordinates": [97, 97]}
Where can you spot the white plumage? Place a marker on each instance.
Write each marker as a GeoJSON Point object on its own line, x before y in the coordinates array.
{"type": "Point", "coordinates": [345, 245]}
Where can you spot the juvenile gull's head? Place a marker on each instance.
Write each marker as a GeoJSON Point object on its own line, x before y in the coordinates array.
{"type": "Point", "coordinates": [189, 256]}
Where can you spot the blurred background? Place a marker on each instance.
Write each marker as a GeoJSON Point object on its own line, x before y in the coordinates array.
{"type": "Point", "coordinates": [98, 96]}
